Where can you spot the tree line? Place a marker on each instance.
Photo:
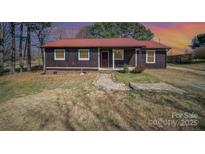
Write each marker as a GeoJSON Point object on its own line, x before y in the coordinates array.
{"type": "Point", "coordinates": [116, 30]}
{"type": "Point", "coordinates": [16, 38]}
{"type": "Point", "coordinates": [16, 43]}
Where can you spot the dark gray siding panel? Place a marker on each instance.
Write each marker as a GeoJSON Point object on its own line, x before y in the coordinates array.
{"type": "Point", "coordinates": [71, 58]}
{"type": "Point", "coordinates": [160, 59]}
{"type": "Point", "coordinates": [129, 58]}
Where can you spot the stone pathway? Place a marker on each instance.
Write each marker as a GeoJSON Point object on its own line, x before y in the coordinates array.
{"type": "Point", "coordinates": [104, 81]}
{"type": "Point", "coordinates": [156, 87]}
{"type": "Point", "coordinates": [187, 70]}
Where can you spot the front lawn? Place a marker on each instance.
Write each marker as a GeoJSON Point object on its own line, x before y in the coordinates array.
{"type": "Point", "coordinates": [136, 77]}
{"type": "Point", "coordinates": [31, 101]}
{"type": "Point", "coordinates": [23, 84]}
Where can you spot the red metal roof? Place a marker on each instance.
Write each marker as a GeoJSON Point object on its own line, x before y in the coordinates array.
{"type": "Point", "coordinates": [104, 42]}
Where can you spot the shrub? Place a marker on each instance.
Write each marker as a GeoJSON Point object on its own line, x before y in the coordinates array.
{"type": "Point", "coordinates": [138, 69]}
{"type": "Point", "coordinates": [199, 53]}
{"type": "Point", "coordinates": [180, 59]}
{"type": "Point", "coordinates": [125, 68]}
{"type": "Point", "coordinates": [186, 59]}
{"type": "Point", "coordinates": [1, 69]}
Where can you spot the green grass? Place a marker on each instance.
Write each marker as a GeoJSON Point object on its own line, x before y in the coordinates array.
{"type": "Point", "coordinates": [12, 88]}
{"type": "Point", "coordinates": [138, 78]}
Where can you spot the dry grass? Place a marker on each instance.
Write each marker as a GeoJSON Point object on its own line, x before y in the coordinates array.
{"type": "Point", "coordinates": [190, 82]}
{"type": "Point", "coordinates": [71, 102]}
{"type": "Point", "coordinates": [195, 66]}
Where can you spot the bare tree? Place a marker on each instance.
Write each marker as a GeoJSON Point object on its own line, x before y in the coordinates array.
{"type": "Point", "coordinates": [13, 48]}
{"type": "Point", "coordinates": [20, 48]}
{"type": "Point", "coordinates": [41, 30]}
{"type": "Point", "coordinates": [1, 44]}
{"type": "Point", "coordinates": [28, 44]}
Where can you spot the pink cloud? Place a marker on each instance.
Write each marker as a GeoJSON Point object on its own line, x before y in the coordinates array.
{"type": "Point", "coordinates": [177, 35]}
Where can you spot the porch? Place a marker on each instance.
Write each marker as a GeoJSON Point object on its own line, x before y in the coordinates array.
{"type": "Point", "coordinates": [115, 58]}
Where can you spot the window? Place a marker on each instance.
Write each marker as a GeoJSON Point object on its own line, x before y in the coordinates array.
{"type": "Point", "coordinates": [119, 54]}
{"type": "Point", "coordinates": [59, 54]}
{"type": "Point", "coordinates": [150, 56]}
{"type": "Point", "coordinates": [83, 54]}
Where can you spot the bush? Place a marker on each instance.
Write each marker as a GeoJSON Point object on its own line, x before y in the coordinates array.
{"type": "Point", "coordinates": [1, 69]}
{"type": "Point", "coordinates": [199, 53]}
{"type": "Point", "coordinates": [180, 59]}
{"type": "Point", "coordinates": [186, 59]}
{"type": "Point", "coordinates": [138, 69]}
{"type": "Point", "coordinates": [125, 68]}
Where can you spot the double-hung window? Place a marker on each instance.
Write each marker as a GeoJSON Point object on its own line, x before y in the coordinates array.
{"type": "Point", "coordinates": [119, 54]}
{"type": "Point", "coordinates": [150, 56]}
{"type": "Point", "coordinates": [59, 54]}
{"type": "Point", "coordinates": [83, 54]}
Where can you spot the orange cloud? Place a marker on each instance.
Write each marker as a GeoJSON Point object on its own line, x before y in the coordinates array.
{"type": "Point", "coordinates": [176, 35]}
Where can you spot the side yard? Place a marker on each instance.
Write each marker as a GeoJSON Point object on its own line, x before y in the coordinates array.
{"type": "Point", "coordinates": [194, 66]}
{"type": "Point", "coordinates": [31, 101]}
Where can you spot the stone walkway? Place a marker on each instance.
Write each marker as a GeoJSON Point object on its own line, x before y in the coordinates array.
{"type": "Point", "coordinates": [187, 70]}
{"type": "Point", "coordinates": [104, 81]}
{"type": "Point", "coordinates": [156, 87]}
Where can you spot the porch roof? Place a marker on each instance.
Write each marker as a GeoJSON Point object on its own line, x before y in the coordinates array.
{"type": "Point", "coordinates": [104, 42]}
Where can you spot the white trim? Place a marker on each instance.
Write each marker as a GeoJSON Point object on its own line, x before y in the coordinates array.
{"type": "Point", "coordinates": [86, 59]}
{"type": "Point", "coordinates": [113, 59]}
{"type": "Point", "coordinates": [72, 68]}
{"type": "Point", "coordinates": [136, 50]}
{"type": "Point", "coordinates": [116, 68]}
{"type": "Point", "coordinates": [94, 68]}
{"type": "Point", "coordinates": [122, 58]}
{"type": "Point", "coordinates": [59, 58]}
{"type": "Point", "coordinates": [147, 57]}
{"type": "Point", "coordinates": [108, 57]}
{"type": "Point", "coordinates": [98, 58]}
{"type": "Point", "coordinates": [44, 58]}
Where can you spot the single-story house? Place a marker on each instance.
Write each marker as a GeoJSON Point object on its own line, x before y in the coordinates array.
{"type": "Point", "coordinates": [103, 53]}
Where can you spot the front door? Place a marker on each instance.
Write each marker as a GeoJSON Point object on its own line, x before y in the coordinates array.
{"type": "Point", "coordinates": [104, 58]}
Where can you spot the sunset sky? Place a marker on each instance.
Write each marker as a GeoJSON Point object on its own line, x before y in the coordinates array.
{"type": "Point", "coordinates": [177, 35]}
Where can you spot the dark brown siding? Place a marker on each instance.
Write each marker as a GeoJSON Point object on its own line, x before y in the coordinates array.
{"type": "Point", "coordinates": [129, 58]}
{"type": "Point", "coordinates": [160, 59]}
{"type": "Point", "coordinates": [71, 58]}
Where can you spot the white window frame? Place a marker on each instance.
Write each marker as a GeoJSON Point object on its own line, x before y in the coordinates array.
{"type": "Point", "coordinates": [147, 56]}
{"type": "Point", "coordinates": [122, 58]}
{"type": "Point", "coordinates": [55, 58]}
{"type": "Point", "coordinates": [87, 59]}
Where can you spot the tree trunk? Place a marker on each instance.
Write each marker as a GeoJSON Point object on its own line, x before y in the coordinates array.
{"type": "Point", "coordinates": [28, 49]}
{"type": "Point", "coordinates": [20, 48]}
{"type": "Point", "coordinates": [1, 44]}
{"type": "Point", "coordinates": [42, 53]}
{"type": "Point", "coordinates": [13, 49]}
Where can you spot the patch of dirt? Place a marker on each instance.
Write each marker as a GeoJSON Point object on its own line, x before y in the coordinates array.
{"type": "Point", "coordinates": [104, 81]}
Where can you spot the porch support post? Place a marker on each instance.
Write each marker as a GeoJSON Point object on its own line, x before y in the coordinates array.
{"type": "Point", "coordinates": [98, 58]}
{"type": "Point", "coordinates": [136, 52]}
{"type": "Point", "coordinates": [113, 59]}
{"type": "Point", "coordinates": [44, 56]}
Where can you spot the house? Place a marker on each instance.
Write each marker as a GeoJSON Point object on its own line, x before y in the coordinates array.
{"type": "Point", "coordinates": [103, 54]}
